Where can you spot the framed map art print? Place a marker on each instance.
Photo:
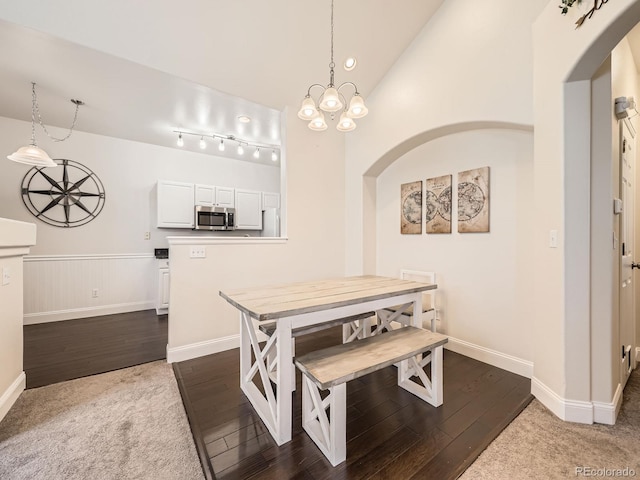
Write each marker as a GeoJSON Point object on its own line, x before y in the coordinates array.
{"type": "Point", "coordinates": [411, 208]}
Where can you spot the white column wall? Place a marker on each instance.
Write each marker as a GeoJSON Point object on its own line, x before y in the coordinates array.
{"type": "Point", "coordinates": [15, 240]}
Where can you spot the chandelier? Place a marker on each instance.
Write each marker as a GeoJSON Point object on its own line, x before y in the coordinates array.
{"type": "Point", "coordinates": [331, 100]}
{"type": "Point", "coordinates": [32, 154]}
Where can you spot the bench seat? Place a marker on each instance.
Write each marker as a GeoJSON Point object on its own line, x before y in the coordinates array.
{"type": "Point", "coordinates": [330, 369]}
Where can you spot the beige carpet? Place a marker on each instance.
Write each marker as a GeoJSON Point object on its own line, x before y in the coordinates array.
{"type": "Point", "coordinates": [537, 445]}
{"type": "Point", "coordinates": [127, 424]}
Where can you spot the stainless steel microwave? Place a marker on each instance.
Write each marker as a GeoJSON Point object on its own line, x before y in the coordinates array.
{"type": "Point", "coordinates": [214, 218]}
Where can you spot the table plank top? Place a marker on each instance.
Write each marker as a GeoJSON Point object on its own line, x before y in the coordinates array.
{"type": "Point", "coordinates": [273, 302]}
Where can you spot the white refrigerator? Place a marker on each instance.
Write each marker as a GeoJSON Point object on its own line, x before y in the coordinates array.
{"type": "Point", "coordinates": [270, 223]}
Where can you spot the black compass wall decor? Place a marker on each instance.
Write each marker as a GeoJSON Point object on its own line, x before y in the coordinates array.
{"type": "Point", "coordinates": [70, 196]}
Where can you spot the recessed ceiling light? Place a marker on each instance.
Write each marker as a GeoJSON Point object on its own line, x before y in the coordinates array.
{"type": "Point", "coordinates": [244, 119]}
{"type": "Point", "coordinates": [350, 64]}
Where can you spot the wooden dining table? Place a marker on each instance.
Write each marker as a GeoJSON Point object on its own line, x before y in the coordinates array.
{"type": "Point", "coordinates": [297, 305]}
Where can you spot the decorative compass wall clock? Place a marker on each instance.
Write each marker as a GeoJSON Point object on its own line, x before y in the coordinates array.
{"type": "Point", "coordinates": [63, 197]}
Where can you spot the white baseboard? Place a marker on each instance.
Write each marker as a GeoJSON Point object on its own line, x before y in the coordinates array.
{"type": "Point", "coordinates": [577, 411]}
{"type": "Point", "coordinates": [12, 393]}
{"type": "Point", "coordinates": [56, 316]}
{"type": "Point", "coordinates": [200, 349]}
{"type": "Point", "coordinates": [492, 357]}
{"type": "Point", "coordinates": [607, 413]}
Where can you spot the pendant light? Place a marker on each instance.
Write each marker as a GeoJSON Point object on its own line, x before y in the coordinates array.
{"type": "Point", "coordinates": [331, 100]}
{"type": "Point", "coordinates": [32, 154]}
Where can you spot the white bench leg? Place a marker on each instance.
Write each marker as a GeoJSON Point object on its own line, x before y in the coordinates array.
{"type": "Point", "coordinates": [356, 330]}
{"type": "Point", "coordinates": [330, 435]}
{"type": "Point", "coordinates": [430, 390]}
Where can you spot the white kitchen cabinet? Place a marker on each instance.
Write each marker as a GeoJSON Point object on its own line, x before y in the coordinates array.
{"type": "Point", "coordinates": [248, 209]}
{"type": "Point", "coordinates": [175, 204]}
{"type": "Point", "coordinates": [162, 304]}
{"type": "Point", "coordinates": [270, 200]}
{"type": "Point", "coordinates": [213, 196]}
{"type": "Point", "coordinates": [225, 197]}
{"type": "Point", "coordinates": [205, 195]}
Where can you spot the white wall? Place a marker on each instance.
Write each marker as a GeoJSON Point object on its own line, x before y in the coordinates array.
{"type": "Point", "coordinates": [470, 67]}
{"type": "Point", "coordinates": [484, 279]}
{"type": "Point", "coordinates": [455, 78]}
{"type": "Point", "coordinates": [109, 253]}
{"type": "Point", "coordinates": [15, 239]}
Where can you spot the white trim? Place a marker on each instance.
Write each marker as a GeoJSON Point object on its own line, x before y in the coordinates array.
{"type": "Point", "coordinates": [607, 413]}
{"type": "Point", "coordinates": [510, 363]}
{"type": "Point", "coordinates": [106, 256]}
{"type": "Point", "coordinates": [13, 251]}
{"type": "Point", "coordinates": [575, 410]}
{"type": "Point", "coordinates": [11, 394]}
{"type": "Point", "coordinates": [225, 240]}
{"type": "Point", "coordinates": [200, 349]}
{"type": "Point", "coordinates": [84, 312]}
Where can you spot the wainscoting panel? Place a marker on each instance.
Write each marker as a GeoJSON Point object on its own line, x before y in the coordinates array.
{"type": "Point", "coordinates": [64, 287]}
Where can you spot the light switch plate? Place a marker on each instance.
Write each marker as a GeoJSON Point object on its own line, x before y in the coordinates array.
{"type": "Point", "coordinates": [553, 239]}
{"type": "Point", "coordinates": [6, 276]}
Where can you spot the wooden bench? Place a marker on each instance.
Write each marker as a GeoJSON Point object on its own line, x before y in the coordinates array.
{"type": "Point", "coordinates": [353, 327]}
{"type": "Point", "coordinates": [269, 328]}
{"type": "Point", "coordinates": [330, 369]}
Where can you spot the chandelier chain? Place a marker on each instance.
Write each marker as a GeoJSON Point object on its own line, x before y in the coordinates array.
{"type": "Point", "coordinates": [36, 111]}
{"type": "Point", "coordinates": [331, 65]}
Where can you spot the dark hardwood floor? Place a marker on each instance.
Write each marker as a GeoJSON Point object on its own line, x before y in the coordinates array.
{"type": "Point", "coordinates": [59, 351]}
{"type": "Point", "coordinates": [390, 433]}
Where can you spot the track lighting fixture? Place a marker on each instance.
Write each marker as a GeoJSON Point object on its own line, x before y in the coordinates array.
{"type": "Point", "coordinates": [224, 139]}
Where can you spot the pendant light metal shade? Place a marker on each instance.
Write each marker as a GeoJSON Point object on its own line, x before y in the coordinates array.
{"type": "Point", "coordinates": [32, 155]}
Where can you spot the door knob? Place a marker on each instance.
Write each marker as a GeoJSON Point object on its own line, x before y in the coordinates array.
{"type": "Point", "coordinates": [635, 265]}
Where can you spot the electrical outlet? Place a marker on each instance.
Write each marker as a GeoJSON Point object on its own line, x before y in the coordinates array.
{"type": "Point", "coordinates": [94, 293]}
{"type": "Point", "coordinates": [6, 276]}
{"type": "Point", "coordinates": [198, 251]}
{"type": "Point", "coordinates": [147, 235]}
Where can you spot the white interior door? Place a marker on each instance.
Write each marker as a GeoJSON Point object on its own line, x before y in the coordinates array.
{"type": "Point", "coordinates": [627, 317]}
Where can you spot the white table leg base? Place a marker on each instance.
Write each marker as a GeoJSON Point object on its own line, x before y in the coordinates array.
{"type": "Point", "coordinates": [330, 435]}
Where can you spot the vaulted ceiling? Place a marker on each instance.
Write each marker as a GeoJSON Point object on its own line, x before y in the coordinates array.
{"type": "Point", "coordinates": [146, 68]}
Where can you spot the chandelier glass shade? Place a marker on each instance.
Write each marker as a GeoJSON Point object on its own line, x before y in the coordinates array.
{"type": "Point", "coordinates": [332, 101]}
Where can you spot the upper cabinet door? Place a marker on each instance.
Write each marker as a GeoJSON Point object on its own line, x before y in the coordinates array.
{"type": "Point", "coordinates": [248, 209]}
{"type": "Point", "coordinates": [175, 204]}
{"type": "Point", "coordinates": [225, 197]}
{"type": "Point", "coordinates": [270, 200]}
{"type": "Point", "coordinates": [205, 195]}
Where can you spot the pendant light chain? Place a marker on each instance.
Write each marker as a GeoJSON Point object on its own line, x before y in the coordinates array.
{"type": "Point", "coordinates": [36, 110]}
{"type": "Point", "coordinates": [331, 64]}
